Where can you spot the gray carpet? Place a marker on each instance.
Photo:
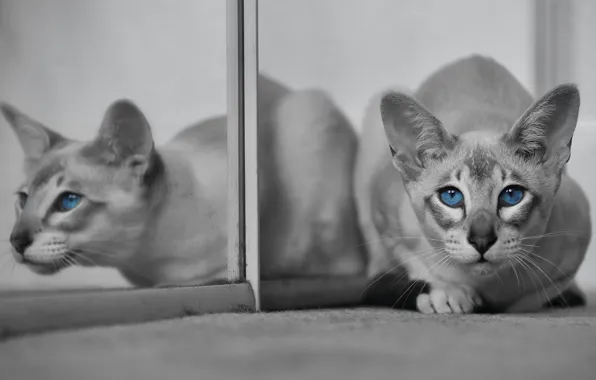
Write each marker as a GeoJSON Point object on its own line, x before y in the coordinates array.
{"type": "Point", "coordinates": [324, 344]}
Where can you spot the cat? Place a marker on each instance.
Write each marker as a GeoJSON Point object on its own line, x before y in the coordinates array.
{"type": "Point", "coordinates": [461, 187]}
{"type": "Point", "coordinates": [159, 214]}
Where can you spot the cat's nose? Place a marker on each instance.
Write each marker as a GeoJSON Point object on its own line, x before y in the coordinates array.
{"type": "Point", "coordinates": [20, 241]}
{"type": "Point", "coordinates": [482, 244]}
{"type": "Point", "coordinates": [482, 234]}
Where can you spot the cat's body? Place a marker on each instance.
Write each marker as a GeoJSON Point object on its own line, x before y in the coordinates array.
{"type": "Point", "coordinates": [452, 137]}
{"type": "Point", "coordinates": [159, 215]}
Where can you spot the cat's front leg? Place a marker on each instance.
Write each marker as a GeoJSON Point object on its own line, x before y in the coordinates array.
{"type": "Point", "coordinates": [448, 299]}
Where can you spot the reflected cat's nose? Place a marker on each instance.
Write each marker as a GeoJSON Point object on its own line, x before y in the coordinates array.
{"type": "Point", "coordinates": [20, 241]}
{"type": "Point", "coordinates": [482, 234]}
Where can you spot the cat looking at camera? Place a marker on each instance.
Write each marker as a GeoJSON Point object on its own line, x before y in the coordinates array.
{"type": "Point", "coordinates": [462, 186]}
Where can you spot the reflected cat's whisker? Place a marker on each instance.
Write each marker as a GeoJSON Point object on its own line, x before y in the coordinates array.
{"type": "Point", "coordinates": [65, 262]}
{"type": "Point", "coordinates": [529, 245]}
{"type": "Point", "coordinates": [80, 255]}
{"type": "Point", "coordinates": [92, 252]}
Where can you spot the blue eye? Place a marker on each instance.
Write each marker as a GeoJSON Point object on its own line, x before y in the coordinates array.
{"type": "Point", "coordinates": [68, 201]}
{"type": "Point", "coordinates": [22, 199]}
{"type": "Point", "coordinates": [511, 196]}
{"type": "Point", "coordinates": [452, 197]}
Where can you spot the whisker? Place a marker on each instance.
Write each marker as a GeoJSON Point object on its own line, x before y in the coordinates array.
{"type": "Point", "coordinates": [93, 252]}
{"type": "Point", "coordinates": [71, 261]}
{"type": "Point", "coordinates": [533, 246]}
{"type": "Point", "coordinates": [499, 277]}
{"type": "Point", "coordinates": [410, 288]}
{"type": "Point", "coordinates": [545, 260]}
{"type": "Point", "coordinates": [528, 261]}
{"type": "Point", "coordinates": [415, 255]}
{"type": "Point", "coordinates": [427, 254]}
{"type": "Point", "coordinates": [525, 266]}
{"type": "Point", "coordinates": [396, 238]}
{"type": "Point", "coordinates": [552, 234]}
{"type": "Point", "coordinates": [549, 280]}
{"type": "Point", "coordinates": [80, 255]}
{"type": "Point", "coordinates": [515, 272]}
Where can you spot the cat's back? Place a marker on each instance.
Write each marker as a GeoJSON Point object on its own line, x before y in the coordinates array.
{"type": "Point", "coordinates": [474, 92]}
{"type": "Point", "coordinates": [200, 150]}
{"type": "Point", "coordinates": [211, 133]}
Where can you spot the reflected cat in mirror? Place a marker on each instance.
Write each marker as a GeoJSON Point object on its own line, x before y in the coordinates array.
{"type": "Point", "coordinates": [480, 209]}
{"type": "Point", "coordinates": [159, 214]}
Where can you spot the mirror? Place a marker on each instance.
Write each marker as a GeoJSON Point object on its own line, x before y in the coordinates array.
{"type": "Point", "coordinates": [96, 97]}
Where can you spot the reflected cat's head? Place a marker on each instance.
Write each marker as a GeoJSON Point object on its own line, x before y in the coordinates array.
{"type": "Point", "coordinates": [481, 197]}
{"type": "Point", "coordinates": [83, 202]}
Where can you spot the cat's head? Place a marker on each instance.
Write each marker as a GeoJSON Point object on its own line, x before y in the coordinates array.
{"type": "Point", "coordinates": [83, 202]}
{"type": "Point", "coordinates": [482, 197]}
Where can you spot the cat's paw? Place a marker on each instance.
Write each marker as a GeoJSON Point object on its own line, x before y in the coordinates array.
{"type": "Point", "coordinates": [448, 300]}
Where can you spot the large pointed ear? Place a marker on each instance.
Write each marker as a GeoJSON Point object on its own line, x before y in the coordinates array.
{"type": "Point", "coordinates": [416, 137]}
{"type": "Point", "coordinates": [35, 138]}
{"type": "Point", "coordinates": [126, 135]}
{"type": "Point", "coordinates": [545, 130]}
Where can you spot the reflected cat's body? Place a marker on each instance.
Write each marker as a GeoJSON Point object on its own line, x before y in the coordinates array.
{"type": "Point", "coordinates": [159, 214]}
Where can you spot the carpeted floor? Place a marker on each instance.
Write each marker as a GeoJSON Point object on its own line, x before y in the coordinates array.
{"type": "Point", "coordinates": [324, 344]}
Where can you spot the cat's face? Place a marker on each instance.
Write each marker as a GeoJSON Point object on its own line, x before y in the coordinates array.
{"type": "Point", "coordinates": [82, 203]}
{"type": "Point", "coordinates": [482, 198]}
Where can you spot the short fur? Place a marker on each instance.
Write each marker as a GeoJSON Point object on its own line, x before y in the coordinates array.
{"type": "Point", "coordinates": [159, 215]}
{"type": "Point", "coordinates": [473, 126]}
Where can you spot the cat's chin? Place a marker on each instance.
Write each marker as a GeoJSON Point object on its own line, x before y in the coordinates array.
{"type": "Point", "coordinates": [483, 269]}
{"type": "Point", "coordinates": [43, 269]}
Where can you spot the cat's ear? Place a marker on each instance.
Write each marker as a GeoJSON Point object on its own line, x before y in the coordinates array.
{"type": "Point", "coordinates": [415, 136]}
{"type": "Point", "coordinates": [127, 134]}
{"type": "Point", "coordinates": [546, 129]}
{"type": "Point", "coordinates": [35, 138]}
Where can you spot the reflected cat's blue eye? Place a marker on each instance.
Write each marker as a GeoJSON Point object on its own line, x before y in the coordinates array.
{"type": "Point", "coordinates": [511, 196]}
{"type": "Point", "coordinates": [67, 201]}
{"type": "Point", "coordinates": [22, 199]}
{"type": "Point", "coordinates": [451, 196]}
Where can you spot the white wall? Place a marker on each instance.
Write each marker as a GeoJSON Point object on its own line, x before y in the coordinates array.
{"type": "Point", "coordinates": [584, 143]}
{"type": "Point", "coordinates": [65, 60]}
{"type": "Point", "coordinates": [355, 48]}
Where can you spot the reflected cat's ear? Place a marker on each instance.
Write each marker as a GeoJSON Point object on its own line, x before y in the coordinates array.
{"type": "Point", "coordinates": [415, 136]}
{"type": "Point", "coordinates": [127, 135]}
{"type": "Point", "coordinates": [35, 138]}
{"type": "Point", "coordinates": [546, 129]}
